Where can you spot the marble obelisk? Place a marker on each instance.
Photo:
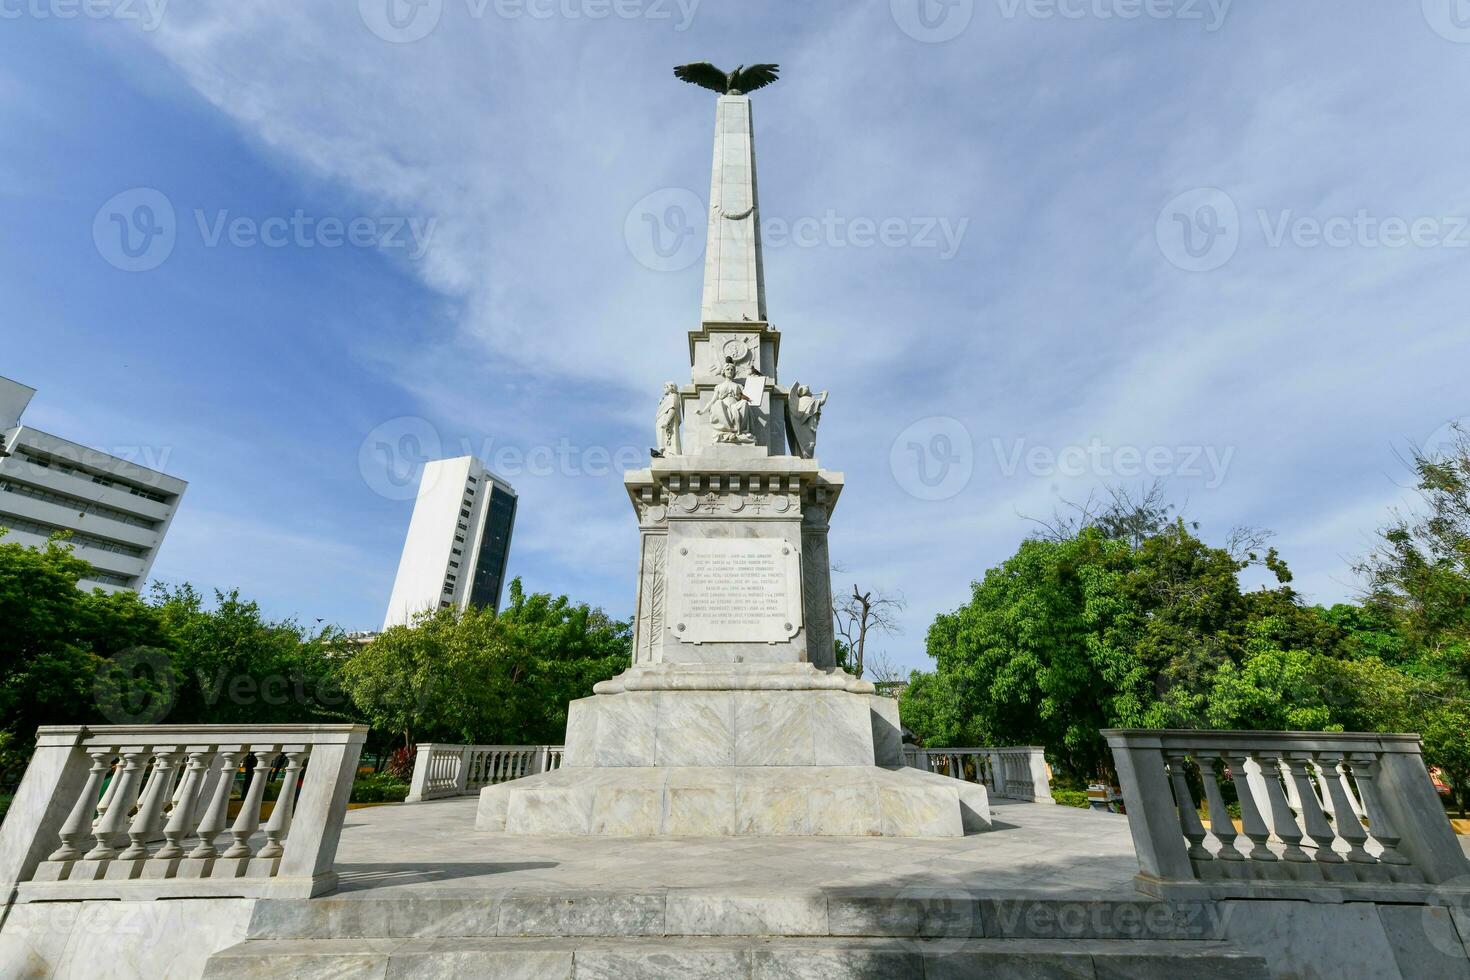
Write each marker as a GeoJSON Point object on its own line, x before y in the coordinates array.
{"type": "Point", "coordinates": [734, 719]}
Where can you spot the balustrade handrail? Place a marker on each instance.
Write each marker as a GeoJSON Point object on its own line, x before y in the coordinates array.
{"type": "Point", "coordinates": [1331, 816]}
{"type": "Point", "coordinates": [142, 811]}
{"type": "Point", "coordinates": [443, 770]}
{"type": "Point", "coordinates": [1016, 772]}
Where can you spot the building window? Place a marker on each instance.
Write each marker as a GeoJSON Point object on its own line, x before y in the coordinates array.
{"type": "Point", "coordinates": [84, 507]}
{"type": "Point", "coordinates": [47, 462]}
{"type": "Point", "coordinates": [77, 538]}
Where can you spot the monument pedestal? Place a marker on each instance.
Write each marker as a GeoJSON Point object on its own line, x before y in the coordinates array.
{"type": "Point", "coordinates": [752, 750]}
{"type": "Point", "coordinates": [733, 719]}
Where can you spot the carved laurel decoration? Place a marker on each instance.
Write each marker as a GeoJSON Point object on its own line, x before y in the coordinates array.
{"type": "Point", "coordinates": [734, 215]}
{"type": "Point", "coordinates": [656, 600]}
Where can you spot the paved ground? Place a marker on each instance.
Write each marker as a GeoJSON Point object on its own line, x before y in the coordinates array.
{"type": "Point", "coordinates": [433, 847]}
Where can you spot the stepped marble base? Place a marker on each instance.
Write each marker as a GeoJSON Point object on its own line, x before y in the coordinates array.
{"type": "Point", "coordinates": [735, 801]}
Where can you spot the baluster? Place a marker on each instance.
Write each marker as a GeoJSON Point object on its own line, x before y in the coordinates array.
{"type": "Point", "coordinates": [1344, 816]}
{"type": "Point", "coordinates": [1317, 827]}
{"type": "Point", "coordinates": [1221, 826]}
{"type": "Point", "coordinates": [111, 825]}
{"type": "Point", "coordinates": [110, 789]}
{"type": "Point", "coordinates": [79, 822]}
{"type": "Point", "coordinates": [150, 807]}
{"type": "Point", "coordinates": [1365, 771]}
{"type": "Point", "coordinates": [1189, 822]}
{"type": "Point", "coordinates": [213, 823]}
{"type": "Point", "coordinates": [248, 819]}
{"type": "Point", "coordinates": [183, 811]}
{"type": "Point", "coordinates": [280, 821]}
{"type": "Point", "coordinates": [1284, 824]}
{"type": "Point", "coordinates": [1250, 813]}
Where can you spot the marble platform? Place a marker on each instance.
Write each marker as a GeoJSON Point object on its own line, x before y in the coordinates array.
{"type": "Point", "coordinates": [735, 751]}
{"type": "Point", "coordinates": [1047, 892]}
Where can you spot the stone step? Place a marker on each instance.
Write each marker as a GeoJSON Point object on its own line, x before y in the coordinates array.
{"type": "Point", "coordinates": [724, 959]}
{"type": "Point", "coordinates": [689, 912]}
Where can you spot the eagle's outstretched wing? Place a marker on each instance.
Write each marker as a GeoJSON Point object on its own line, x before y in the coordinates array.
{"type": "Point", "coordinates": [757, 76]}
{"type": "Point", "coordinates": [704, 74]}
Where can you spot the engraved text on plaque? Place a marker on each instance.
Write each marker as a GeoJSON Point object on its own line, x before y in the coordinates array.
{"type": "Point", "coordinates": [735, 590]}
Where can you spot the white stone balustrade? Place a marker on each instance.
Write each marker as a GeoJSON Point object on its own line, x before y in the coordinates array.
{"type": "Point", "coordinates": [1012, 773]}
{"type": "Point", "coordinates": [136, 811]}
{"type": "Point", "coordinates": [442, 770]}
{"type": "Point", "coordinates": [1326, 816]}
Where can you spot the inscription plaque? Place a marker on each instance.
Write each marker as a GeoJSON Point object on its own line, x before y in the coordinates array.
{"type": "Point", "coordinates": [735, 590]}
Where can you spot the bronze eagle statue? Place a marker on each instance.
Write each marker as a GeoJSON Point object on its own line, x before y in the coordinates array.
{"type": "Point", "coordinates": [741, 81]}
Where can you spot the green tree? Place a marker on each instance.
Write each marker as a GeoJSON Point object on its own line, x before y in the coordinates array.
{"type": "Point", "coordinates": [235, 666]}
{"type": "Point", "coordinates": [486, 678]}
{"type": "Point", "coordinates": [1124, 619]}
{"type": "Point", "coordinates": [59, 643]}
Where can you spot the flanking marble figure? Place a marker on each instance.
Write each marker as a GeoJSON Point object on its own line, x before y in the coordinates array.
{"type": "Point", "coordinates": [734, 718]}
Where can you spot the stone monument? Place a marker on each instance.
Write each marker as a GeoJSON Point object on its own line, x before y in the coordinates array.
{"type": "Point", "coordinates": [734, 718]}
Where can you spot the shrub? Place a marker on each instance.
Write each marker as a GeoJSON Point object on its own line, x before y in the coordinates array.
{"type": "Point", "coordinates": [378, 788]}
{"type": "Point", "coordinates": [1070, 797]}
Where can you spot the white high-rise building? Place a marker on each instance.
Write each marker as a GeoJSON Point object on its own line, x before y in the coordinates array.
{"type": "Point", "coordinates": [118, 511]}
{"type": "Point", "coordinates": [458, 541]}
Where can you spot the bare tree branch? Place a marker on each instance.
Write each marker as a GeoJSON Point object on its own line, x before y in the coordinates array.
{"type": "Point", "coordinates": [856, 616]}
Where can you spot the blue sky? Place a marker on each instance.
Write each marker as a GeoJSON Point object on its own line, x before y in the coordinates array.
{"type": "Point", "coordinates": [1224, 243]}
